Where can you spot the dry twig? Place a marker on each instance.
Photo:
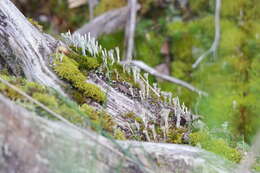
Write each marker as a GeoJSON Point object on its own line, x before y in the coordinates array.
{"type": "Point", "coordinates": [152, 71]}
{"type": "Point", "coordinates": [215, 44]}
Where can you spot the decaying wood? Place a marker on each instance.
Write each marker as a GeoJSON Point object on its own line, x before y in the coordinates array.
{"type": "Point", "coordinates": [24, 48]}
{"type": "Point", "coordinates": [32, 144]}
{"type": "Point", "coordinates": [106, 23]}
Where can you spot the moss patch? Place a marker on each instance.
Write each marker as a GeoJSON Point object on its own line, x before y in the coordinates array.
{"type": "Point", "coordinates": [215, 145]}
{"type": "Point", "coordinates": [68, 69]}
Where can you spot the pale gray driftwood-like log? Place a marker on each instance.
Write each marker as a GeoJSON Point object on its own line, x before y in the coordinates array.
{"type": "Point", "coordinates": [24, 48]}
{"type": "Point", "coordinates": [106, 23]}
{"type": "Point", "coordinates": [32, 144]}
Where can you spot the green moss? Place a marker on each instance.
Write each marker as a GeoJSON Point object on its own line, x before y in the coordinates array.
{"type": "Point", "coordinates": [110, 41]}
{"type": "Point", "coordinates": [35, 23]}
{"type": "Point", "coordinates": [199, 6]}
{"type": "Point", "coordinates": [175, 135]}
{"type": "Point", "coordinates": [45, 99]}
{"type": "Point", "coordinates": [99, 120]}
{"type": "Point", "coordinates": [119, 75]}
{"type": "Point", "coordinates": [32, 87]}
{"type": "Point", "coordinates": [85, 62]}
{"type": "Point", "coordinates": [129, 115]}
{"type": "Point", "coordinates": [215, 145]}
{"type": "Point", "coordinates": [232, 37]}
{"type": "Point", "coordinates": [119, 134]}
{"type": "Point", "coordinates": [232, 8]}
{"type": "Point", "coordinates": [180, 69]}
{"type": "Point", "coordinates": [148, 46]}
{"type": "Point", "coordinates": [68, 69]}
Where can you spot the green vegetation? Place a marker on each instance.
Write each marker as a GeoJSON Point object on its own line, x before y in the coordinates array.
{"type": "Point", "coordinates": [99, 120]}
{"type": "Point", "coordinates": [215, 145]}
{"type": "Point", "coordinates": [68, 69]}
{"type": "Point", "coordinates": [83, 116]}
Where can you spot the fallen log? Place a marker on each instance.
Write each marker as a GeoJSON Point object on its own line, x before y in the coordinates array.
{"type": "Point", "coordinates": [32, 144]}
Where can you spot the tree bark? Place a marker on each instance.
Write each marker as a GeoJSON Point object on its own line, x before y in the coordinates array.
{"type": "Point", "coordinates": [24, 49]}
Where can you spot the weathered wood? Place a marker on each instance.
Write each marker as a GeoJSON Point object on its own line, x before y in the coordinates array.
{"type": "Point", "coordinates": [32, 144]}
{"type": "Point", "coordinates": [106, 23]}
{"type": "Point", "coordinates": [24, 48]}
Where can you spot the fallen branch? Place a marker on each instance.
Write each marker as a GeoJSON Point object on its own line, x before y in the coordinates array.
{"type": "Point", "coordinates": [106, 23]}
{"type": "Point", "coordinates": [152, 71]}
{"type": "Point", "coordinates": [130, 30]}
{"type": "Point", "coordinates": [215, 44]}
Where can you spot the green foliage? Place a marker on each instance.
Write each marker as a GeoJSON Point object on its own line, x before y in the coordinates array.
{"type": "Point", "coordinates": [68, 69]}
{"type": "Point", "coordinates": [215, 145]}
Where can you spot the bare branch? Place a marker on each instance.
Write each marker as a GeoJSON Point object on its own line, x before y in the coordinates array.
{"type": "Point", "coordinates": [130, 30]}
{"type": "Point", "coordinates": [152, 71]}
{"type": "Point", "coordinates": [215, 44]}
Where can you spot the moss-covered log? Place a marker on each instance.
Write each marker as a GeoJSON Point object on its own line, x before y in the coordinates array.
{"type": "Point", "coordinates": [32, 144]}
